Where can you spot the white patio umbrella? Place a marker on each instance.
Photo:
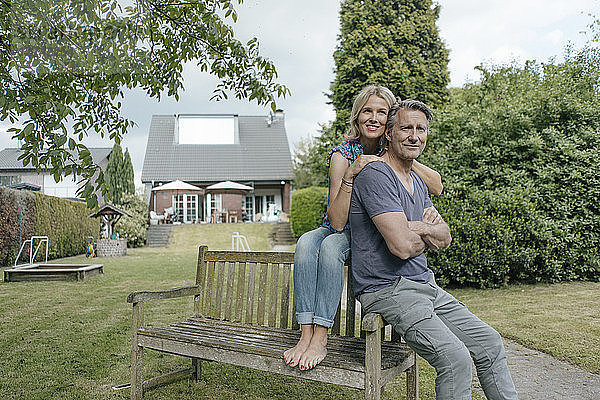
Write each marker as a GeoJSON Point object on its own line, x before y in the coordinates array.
{"type": "Point", "coordinates": [228, 185]}
{"type": "Point", "coordinates": [177, 185]}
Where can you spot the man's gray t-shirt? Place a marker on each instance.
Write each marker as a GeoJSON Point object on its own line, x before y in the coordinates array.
{"type": "Point", "coordinates": [377, 190]}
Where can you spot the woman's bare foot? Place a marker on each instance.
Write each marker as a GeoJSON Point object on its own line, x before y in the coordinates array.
{"type": "Point", "coordinates": [292, 356]}
{"type": "Point", "coordinates": [316, 351]}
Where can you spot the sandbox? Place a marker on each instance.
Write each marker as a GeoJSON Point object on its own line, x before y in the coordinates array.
{"type": "Point", "coordinates": [52, 272]}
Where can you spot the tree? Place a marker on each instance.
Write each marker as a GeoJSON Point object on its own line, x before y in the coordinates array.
{"type": "Point", "coordinates": [133, 228]}
{"type": "Point", "coordinates": [128, 175]}
{"type": "Point", "coordinates": [64, 65]}
{"type": "Point", "coordinates": [386, 42]}
{"type": "Point", "coordinates": [114, 174]}
{"type": "Point", "coordinates": [394, 43]}
{"type": "Point", "coordinates": [308, 166]}
{"type": "Point", "coordinates": [119, 175]}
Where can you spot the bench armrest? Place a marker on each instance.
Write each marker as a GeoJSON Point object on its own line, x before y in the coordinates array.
{"type": "Point", "coordinates": [372, 322]}
{"type": "Point", "coordinates": [135, 297]}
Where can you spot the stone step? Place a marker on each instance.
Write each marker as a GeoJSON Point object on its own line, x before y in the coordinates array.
{"type": "Point", "coordinates": [282, 234]}
{"type": "Point", "coordinates": [158, 235]}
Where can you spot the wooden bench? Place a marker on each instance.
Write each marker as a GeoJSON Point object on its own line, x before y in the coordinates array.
{"type": "Point", "coordinates": [244, 315]}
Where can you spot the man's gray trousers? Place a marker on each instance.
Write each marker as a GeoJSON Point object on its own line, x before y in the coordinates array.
{"type": "Point", "coordinates": [445, 333]}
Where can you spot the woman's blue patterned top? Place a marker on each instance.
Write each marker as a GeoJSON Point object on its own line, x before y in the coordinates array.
{"type": "Point", "coordinates": [351, 150]}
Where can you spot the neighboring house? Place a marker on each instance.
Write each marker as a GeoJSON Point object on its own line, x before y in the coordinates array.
{"type": "Point", "coordinates": [206, 149]}
{"type": "Point", "coordinates": [12, 172]}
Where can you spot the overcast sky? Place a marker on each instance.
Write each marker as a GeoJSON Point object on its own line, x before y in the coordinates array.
{"type": "Point", "coordinates": [300, 37]}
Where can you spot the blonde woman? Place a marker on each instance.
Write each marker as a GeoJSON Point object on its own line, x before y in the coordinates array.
{"type": "Point", "coordinates": [321, 253]}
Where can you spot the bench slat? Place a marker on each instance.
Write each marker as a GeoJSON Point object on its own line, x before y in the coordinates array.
{"type": "Point", "coordinates": [210, 289]}
{"type": "Point", "coordinates": [273, 294]}
{"type": "Point", "coordinates": [239, 296]}
{"type": "Point", "coordinates": [285, 299]}
{"type": "Point", "coordinates": [350, 305]}
{"type": "Point", "coordinates": [250, 293]}
{"type": "Point", "coordinates": [230, 296]}
{"type": "Point", "coordinates": [250, 256]}
{"type": "Point", "coordinates": [219, 289]}
{"type": "Point", "coordinates": [201, 281]}
{"type": "Point", "coordinates": [262, 293]}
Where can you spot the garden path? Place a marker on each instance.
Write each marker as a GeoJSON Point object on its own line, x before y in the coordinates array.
{"type": "Point", "coordinates": [539, 376]}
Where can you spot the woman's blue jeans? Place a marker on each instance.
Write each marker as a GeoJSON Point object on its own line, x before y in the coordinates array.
{"type": "Point", "coordinates": [319, 275]}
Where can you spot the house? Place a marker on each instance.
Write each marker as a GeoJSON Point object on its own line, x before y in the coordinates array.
{"type": "Point", "coordinates": [14, 174]}
{"type": "Point", "coordinates": [203, 150]}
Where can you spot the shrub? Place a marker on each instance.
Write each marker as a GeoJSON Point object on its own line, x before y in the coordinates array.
{"type": "Point", "coordinates": [17, 222]}
{"type": "Point", "coordinates": [520, 156]}
{"type": "Point", "coordinates": [133, 228]}
{"type": "Point", "coordinates": [66, 224]}
{"type": "Point", "coordinates": [308, 207]}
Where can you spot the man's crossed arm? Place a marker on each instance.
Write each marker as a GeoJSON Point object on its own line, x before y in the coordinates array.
{"type": "Point", "coordinates": [407, 239]}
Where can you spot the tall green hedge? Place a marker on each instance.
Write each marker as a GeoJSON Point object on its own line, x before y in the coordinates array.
{"type": "Point", "coordinates": [520, 156]}
{"type": "Point", "coordinates": [66, 224]}
{"type": "Point", "coordinates": [17, 222]}
{"type": "Point", "coordinates": [24, 214]}
{"type": "Point", "coordinates": [308, 207]}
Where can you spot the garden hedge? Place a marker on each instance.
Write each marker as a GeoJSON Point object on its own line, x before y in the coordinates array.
{"type": "Point", "coordinates": [307, 209]}
{"type": "Point", "coordinates": [17, 222]}
{"type": "Point", "coordinates": [24, 214]}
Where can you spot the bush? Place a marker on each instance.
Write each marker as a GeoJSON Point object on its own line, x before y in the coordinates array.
{"type": "Point", "coordinates": [17, 222]}
{"type": "Point", "coordinates": [520, 157]}
{"type": "Point", "coordinates": [66, 224]}
{"type": "Point", "coordinates": [133, 228]}
{"type": "Point", "coordinates": [307, 210]}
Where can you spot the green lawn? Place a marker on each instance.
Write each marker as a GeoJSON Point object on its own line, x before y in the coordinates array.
{"type": "Point", "coordinates": [69, 340]}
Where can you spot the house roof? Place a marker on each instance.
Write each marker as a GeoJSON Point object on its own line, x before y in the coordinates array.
{"type": "Point", "coordinates": [260, 154]}
{"type": "Point", "coordinates": [9, 158]}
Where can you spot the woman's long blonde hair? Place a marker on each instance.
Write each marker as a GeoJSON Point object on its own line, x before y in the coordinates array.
{"type": "Point", "coordinates": [360, 100]}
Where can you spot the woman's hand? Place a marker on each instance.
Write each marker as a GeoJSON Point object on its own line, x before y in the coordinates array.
{"type": "Point", "coordinates": [358, 165]}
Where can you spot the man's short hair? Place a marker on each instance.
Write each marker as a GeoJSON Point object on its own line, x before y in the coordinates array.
{"type": "Point", "coordinates": [407, 104]}
{"type": "Point", "coordinates": [361, 99]}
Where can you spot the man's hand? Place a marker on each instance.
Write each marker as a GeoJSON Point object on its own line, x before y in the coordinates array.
{"type": "Point", "coordinates": [432, 229]}
{"type": "Point", "coordinates": [432, 216]}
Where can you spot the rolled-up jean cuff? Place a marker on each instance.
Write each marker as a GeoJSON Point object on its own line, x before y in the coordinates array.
{"type": "Point", "coordinates": [327, 323]}
{"type": "Point", "coordinates": [305, 318]}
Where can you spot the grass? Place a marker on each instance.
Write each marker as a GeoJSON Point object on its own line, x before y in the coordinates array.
{"type": "Point", "coordinates": [70, 340]}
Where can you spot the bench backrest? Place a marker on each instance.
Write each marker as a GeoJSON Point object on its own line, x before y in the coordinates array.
{"type": "Point", "coordinates": [257, 288]}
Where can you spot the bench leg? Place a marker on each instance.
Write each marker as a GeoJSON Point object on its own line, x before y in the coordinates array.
{"type": "Point", "coordinates": [412, 380]}
{"type": "Point", "coordinates": [197, 369]}
{"type": "Point", "coordinates": [136, 355]}
{"type": "Point", "coordinates": [373, 366]}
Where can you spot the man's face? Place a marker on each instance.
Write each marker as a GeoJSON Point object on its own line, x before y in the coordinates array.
{"type": "Point", "coordinates": [409, 135]}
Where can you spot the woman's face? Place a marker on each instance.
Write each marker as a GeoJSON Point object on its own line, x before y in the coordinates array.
{"type": "Point", "coordinates": [372, 117]}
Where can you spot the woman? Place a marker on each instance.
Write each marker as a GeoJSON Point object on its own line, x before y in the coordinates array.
{"type": "Point", "coordinates": [321, 253]}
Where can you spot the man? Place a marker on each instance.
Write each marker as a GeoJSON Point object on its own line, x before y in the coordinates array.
{"type": "Point", "coordinates": [392, 222]}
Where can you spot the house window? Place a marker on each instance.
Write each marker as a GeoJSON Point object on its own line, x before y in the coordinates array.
{"type": "Point", "coordinates": [248, 208]}
{"type": "Point", "coordinates": [270, 199]}
{"type": "Point", "coordinates": [9, 180]}
{"type": "Point", "coordinates": [179, 207]}
{"type": "Point", "coordinates": [205, 129]}
{"type": "Point", "coordinates": [186, 207]}
{"type": "Point", "coordinates": [216, 203]}
{"type": "Point", "coordinates": [192, 206]}
{"type": "Point", "coordinates": [258, 205]}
